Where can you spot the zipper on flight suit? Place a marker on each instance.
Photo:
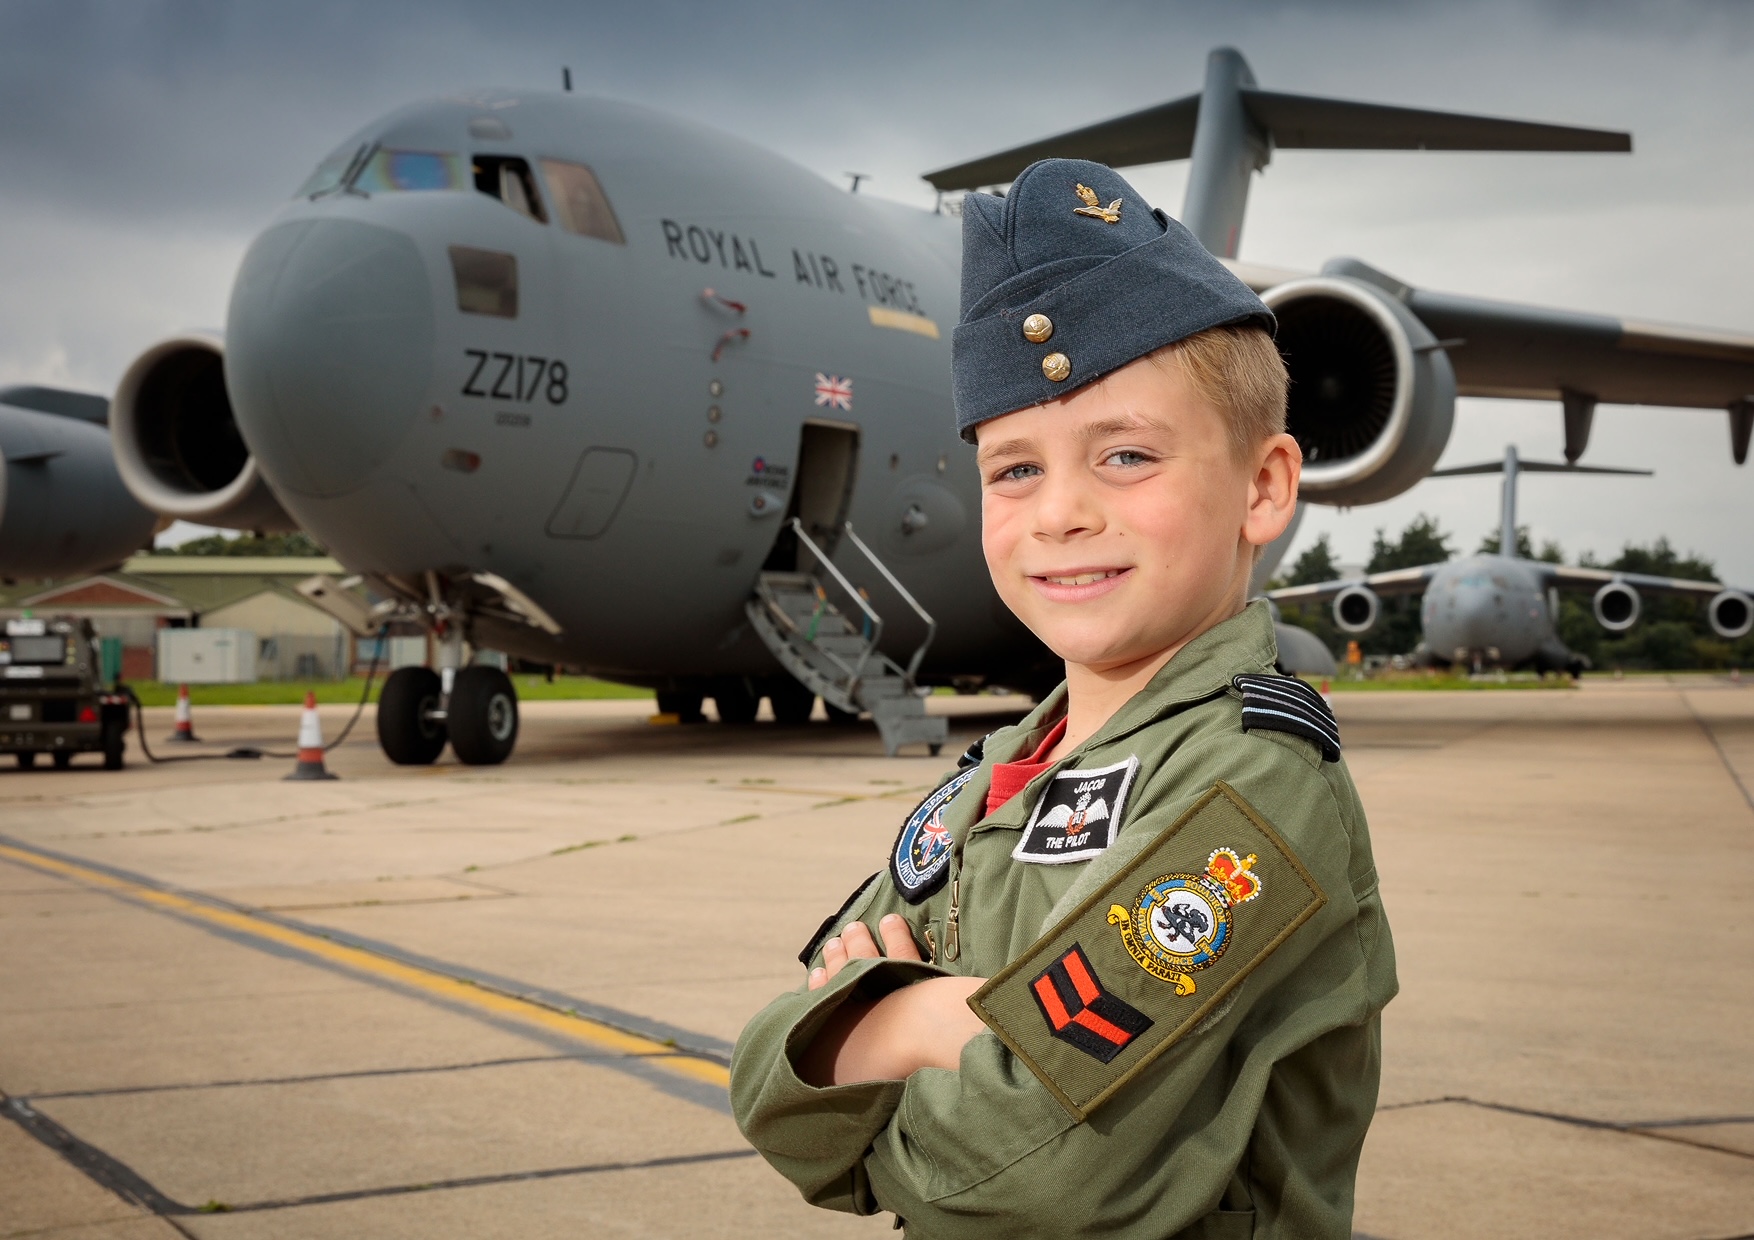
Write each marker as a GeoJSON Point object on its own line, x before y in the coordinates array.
{"type": "Point", "coordinates": [952, 932]}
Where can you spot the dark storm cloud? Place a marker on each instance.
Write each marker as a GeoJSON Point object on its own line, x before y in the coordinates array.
{"type": "Point", "coordinates": [202, 112]}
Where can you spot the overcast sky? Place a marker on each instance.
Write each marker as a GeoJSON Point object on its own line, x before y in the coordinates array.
{"type": "Point", "coordinates": [144, 143]}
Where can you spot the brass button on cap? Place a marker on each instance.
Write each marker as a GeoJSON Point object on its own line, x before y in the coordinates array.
{"type": "Point", "coordinates": [1037, 328]}
{"type": "Point", "coordinates": [1056, 366]}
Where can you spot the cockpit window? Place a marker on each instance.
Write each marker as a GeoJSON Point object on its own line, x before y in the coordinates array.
{"type": "Point", "coordinates": [389, 170]}
{"type": "Point", "coordinates": [328, 176]}
{"type": "Point", "coordinates": [579, 201]}
{"type": "Point", "coordinates": [507, 178]}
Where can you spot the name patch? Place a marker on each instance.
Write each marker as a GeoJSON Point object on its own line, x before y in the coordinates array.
{"type": "Point", "coordinates": [922, 850]}
{"type": "Point", "coordinates": [1078, 815]}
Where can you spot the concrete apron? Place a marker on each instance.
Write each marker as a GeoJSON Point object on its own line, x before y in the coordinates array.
{"type": "Point", "coordinates": [341, 1008]}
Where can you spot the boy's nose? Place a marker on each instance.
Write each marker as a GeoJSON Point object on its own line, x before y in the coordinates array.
{"type": "Point", "coordinates": [1065, 509]}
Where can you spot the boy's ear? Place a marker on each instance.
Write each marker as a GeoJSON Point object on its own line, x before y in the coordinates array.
{"type": "Point", "coordinates": [1272, 499]}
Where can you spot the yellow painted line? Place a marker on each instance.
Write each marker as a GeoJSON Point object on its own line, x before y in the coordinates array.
{"type": "Point", "coordinates": [524, 1011]}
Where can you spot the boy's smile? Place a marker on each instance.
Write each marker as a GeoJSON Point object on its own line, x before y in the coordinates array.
{"type": "Point", "coordinates": [1119, 522]}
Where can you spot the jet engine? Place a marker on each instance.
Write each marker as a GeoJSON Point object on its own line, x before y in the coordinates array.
{"type": "Point", "coordinates": [177, 443]}
{"type": "Point", "coordinates": [1372, 394]}
{"type": "Point", "coordinates": [1731, 614]}
{"type": "Point", "coordinates": [1617, 606]}
{"type": "Point", "coordinates": [63, 509]}
{"type": "Point", "coordinates": [1356, 609]}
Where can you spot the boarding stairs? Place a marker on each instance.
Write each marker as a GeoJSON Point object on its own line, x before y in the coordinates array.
{"type": "Point", "coordinates": [834, 653]}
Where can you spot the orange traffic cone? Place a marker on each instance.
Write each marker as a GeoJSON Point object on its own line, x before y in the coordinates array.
{"type": "Point", "coordinates": [1326, 695]}
{"type": "Point", "coordinates": [310, 744]}
{"type": "Point", "coordinates": [185, 730]}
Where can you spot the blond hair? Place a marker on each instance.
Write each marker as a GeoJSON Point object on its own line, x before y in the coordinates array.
{"type": "Point", "coordinates": [1236, 370]}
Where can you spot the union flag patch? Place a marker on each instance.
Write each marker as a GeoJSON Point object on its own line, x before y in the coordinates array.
{"type": "Point", "coordinates": [1081, 1012]}
{"type": "Point", "coordinates": [834, 392]}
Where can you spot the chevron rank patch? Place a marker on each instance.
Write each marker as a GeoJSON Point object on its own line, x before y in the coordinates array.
{"type": "Point", "coordinates": [1080, 1012]}
{"type": "Point", "coordinates": [1287, 704]}
{"type": "Point", "coordinates": [1149, 954]}
{"type": "Point", "coordinates": [922, 849]}
{"type": "Point", "coordinates": [1077, 815]}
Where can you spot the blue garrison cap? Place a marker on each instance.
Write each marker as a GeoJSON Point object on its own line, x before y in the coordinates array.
{"type": "Point", "coordinates": [1070, 276]}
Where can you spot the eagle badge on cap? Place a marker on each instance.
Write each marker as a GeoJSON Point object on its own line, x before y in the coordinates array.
{"type": "Point", "coordinates": [1093, 207]}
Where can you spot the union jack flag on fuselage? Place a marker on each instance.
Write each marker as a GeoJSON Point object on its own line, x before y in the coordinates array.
{"type": "Point", "coordinates": [834, 392]}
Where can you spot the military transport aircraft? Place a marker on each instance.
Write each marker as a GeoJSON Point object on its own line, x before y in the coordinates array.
{"type": "Point", "coordinates": [1500, 610]}
{"type": "Point", "coordinates": [585, 383]}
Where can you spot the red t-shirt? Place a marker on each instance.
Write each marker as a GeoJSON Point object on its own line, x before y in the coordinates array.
{"type": "Point", "coordinates": [1010, 777]}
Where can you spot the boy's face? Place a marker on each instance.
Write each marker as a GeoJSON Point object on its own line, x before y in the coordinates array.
{"type": "Point", "coordinates": [1118, 523]}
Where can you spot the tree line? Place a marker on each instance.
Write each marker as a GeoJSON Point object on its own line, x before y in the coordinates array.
{"type": "Point", "coordinates": [1671, 633]}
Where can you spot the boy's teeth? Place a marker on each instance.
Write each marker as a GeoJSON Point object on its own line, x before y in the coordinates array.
{"type": "Point", "coordinates": [1084, 579]}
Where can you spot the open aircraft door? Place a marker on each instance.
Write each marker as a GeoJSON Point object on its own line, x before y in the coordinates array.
{"type": "Point", "coordinates": [822, 493]}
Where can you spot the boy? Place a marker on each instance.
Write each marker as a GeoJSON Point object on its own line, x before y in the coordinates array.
{"type": "Point", "coordinates": [1124, 975]}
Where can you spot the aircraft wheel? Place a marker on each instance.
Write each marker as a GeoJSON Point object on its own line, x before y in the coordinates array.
{"type": "Point", "coordinates": [26, 759]}
{"type": "Point", "coordinates": [683, 703]}
{"type": "Point", "coordinates": [735, 702]}
{"type": "Point", "coordinates": [483, 716]}
{"type": "Point", "coordinates": [115, 738]}
{"type": "Point", "coordinates": [405, 733]}
{"type": "Point", "coordinates": [62, 760]}
{"type": "Point", "coordinates": [791, 701]}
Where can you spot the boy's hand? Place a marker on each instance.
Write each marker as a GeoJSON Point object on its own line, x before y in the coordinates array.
{"type": "Point", "coordinates": [924, 1025]}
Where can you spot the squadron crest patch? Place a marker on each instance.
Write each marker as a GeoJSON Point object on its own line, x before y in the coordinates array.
{"type": "Point", "coordinates": [1180, 923]}
{"type": "Point", "coordinates": [922, 850]}
{"type": "Point", "coordinates": [1077, 815]}
{"type": "Point", "coordinates": [1212, 894]}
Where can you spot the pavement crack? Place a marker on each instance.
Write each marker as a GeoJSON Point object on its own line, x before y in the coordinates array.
{"type": "Point", "coordinates": [314, 1078]}
{"type": "Point", "coordinates": [1652, 1128]}
{"type": "Point", "coordinates": [472, 1181]}
{"type": "Point", "coordinates": [122, 1180]}
{"type": "Point", "coordinates": [1718, 746]}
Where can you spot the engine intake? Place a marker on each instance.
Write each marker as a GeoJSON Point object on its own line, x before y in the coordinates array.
{"type": "Point", "coordinates": [1617, 606]}
{"type": "Point", "coordinates": [1356, 609]}
{"type": "Point", "coordinates": [1731, 614]}
{"type": "Point", "coordinates": [1372, 396]}
{"type": "Point", "coordinates": [177, 442]}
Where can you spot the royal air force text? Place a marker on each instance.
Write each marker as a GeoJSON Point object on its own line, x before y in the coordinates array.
{"type": "Point", "coordinates": [715, 247]}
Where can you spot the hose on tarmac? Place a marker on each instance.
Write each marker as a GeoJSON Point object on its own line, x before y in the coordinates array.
{"type": "Point", "coordinates": [251, 751]}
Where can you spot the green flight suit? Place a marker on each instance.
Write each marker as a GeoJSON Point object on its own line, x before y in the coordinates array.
{"type": "Point", "coordinates": [1247, 1121]}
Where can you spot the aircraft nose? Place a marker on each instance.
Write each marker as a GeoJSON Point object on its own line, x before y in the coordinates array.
{"type": "Point", "coordinates": [1475, 611]}
{"type": "Point", "coordinates": [329, 347]}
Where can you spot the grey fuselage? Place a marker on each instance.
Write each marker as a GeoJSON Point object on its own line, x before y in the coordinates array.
{"type": "Point", "coordinates": [410, 436]}
{"type": "Point", "coordinates": [1494, 609]}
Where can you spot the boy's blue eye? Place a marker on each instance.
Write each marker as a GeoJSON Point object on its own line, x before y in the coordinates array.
{"type": "Point", "coordinates": [1018, 473]}
{"type": "Point", "coordinates": [1128, 457]}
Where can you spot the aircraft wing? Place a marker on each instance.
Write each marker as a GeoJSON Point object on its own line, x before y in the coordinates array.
{"type": "Point", "coordinates": [1394, 581]}
{"type": "Point", "coordinates": [1531, 353]}
{"type": "Point", "coordinates": [1567, 578]}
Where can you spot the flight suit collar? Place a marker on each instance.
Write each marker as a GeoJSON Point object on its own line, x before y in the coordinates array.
{"type": "Point", "coordinates": [1200, 670]}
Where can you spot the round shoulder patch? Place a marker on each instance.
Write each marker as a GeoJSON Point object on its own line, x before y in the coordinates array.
{"type": "Point", "coordinates": [922, 850]}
